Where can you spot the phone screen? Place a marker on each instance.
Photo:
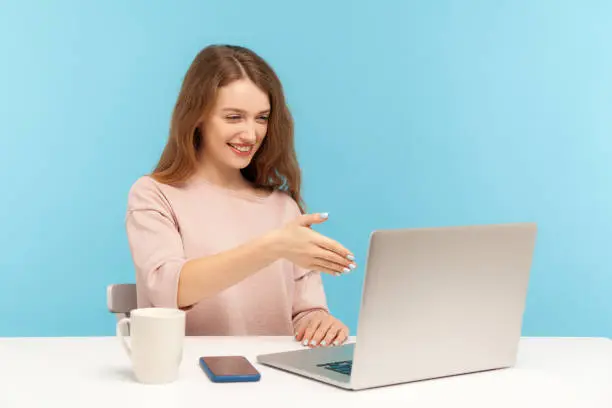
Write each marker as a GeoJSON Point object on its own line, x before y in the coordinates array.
{"type": "Point", "coordinates": [229, 366]}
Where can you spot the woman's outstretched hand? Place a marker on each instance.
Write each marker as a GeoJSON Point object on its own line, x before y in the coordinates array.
{"type": "Point", "coordinates": [311, 250]}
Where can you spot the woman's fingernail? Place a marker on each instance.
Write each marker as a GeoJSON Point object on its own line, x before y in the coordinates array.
{"type": "Point", "coordinates": [323, 342]}
{"type": "Point", "coordinates": [313, 343]}
{"type": "Point", "coordinates": [335, 342]}
{"type": "Point", "coordinates": [305, 342]}
{"type": "Point", "coordinates": [337, 274]}
{"type": "Point", "coordinates": [324, 215]}
{"type": "Point", "coordinates": [346, 270]}
{"type": "Point", "coordinates": [352, 266]}
{"type": "Point", "coordinates": [350, 257]}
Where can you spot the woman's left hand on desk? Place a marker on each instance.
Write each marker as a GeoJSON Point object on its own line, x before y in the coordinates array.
{"type": "Point", "coordinates": [320, 328]}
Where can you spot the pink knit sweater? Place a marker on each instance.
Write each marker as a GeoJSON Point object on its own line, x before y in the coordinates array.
{"type": "Point", "coordinates": [167, 225]}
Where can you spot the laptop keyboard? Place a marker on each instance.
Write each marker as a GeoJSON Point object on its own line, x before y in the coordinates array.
{"type": "Point", "coordinates": [342, 367]}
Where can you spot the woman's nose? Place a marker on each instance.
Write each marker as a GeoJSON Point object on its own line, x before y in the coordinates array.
{"type": "Point", "coordinates": [249, 135]}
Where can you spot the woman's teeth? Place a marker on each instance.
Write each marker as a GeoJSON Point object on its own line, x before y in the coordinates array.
{"type": "Point", "coordinates": [243, 149]}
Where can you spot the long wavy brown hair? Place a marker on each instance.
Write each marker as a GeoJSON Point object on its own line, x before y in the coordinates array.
{"type": "Point", "coordinates": [274, 165]}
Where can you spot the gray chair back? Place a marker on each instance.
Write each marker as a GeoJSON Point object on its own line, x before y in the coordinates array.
{"type": "Point", "coordinates": [121, 299]}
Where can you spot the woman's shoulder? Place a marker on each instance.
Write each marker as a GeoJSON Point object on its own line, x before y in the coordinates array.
{"type": "Point", "coordinates": [288, 204]}
{"type": "Point", "coordinates": [145, 182]}
{"type": "Point", "coordinates": [144, 185]}
{"type": "Point", "coordinates": [147, 192]}
{"type": "Point", "coordinates": [148, 184]}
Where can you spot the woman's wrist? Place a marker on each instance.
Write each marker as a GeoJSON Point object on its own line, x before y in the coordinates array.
{"type": "Point", "coordinates": [274, 244]}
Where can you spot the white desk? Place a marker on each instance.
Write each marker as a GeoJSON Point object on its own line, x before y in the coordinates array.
{"type": "Point", "coordinates": [95, 372]}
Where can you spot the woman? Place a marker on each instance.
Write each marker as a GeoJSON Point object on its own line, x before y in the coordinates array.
{"type": "Point", "coordinates": [218, 228]}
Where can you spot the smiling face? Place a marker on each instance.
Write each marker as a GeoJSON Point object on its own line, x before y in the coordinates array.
{"type": "Point", "coordinates": [236, 126]}
{"type": "Point", "coordinates": [220, 130]}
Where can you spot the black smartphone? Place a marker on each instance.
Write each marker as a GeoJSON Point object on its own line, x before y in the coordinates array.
{"type": "Point", "coordinates": [229, 369]}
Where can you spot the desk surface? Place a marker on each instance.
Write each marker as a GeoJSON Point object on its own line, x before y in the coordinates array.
{"type": "Point", "coordinates": [95, 372]}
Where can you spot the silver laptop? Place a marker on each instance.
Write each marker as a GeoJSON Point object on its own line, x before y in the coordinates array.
{"type": "Point", "coordinates": [436, 302]}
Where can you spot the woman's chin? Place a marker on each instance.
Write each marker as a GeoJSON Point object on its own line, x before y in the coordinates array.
{"type": "Point", "coordinates": [239, 163]}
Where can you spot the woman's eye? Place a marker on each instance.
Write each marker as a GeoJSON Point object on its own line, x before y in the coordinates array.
{"type": "Point", "coordinates": [263, 118]}
{"type": "Point", "coordinates": [232, 117]}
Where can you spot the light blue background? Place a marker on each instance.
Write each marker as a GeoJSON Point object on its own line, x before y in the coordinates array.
{"type": "Point", "coordinates": [408, 114]}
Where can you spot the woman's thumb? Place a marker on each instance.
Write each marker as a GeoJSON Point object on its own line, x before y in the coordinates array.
{"type": "Point", "coordinates": [309, 219]}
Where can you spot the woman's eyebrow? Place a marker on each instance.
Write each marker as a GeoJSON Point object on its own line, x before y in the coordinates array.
{"type": "Point", "coordinates": [242, 110]}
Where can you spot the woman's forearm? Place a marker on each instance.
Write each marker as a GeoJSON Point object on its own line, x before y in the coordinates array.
{"type": "Point", "coordinates": [207, 276]}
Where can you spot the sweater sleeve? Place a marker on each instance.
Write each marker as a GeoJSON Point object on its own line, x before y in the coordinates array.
{"type": "Point", "coordinates": [155, 243]}
{"type": "Point", "coordinates": [309, 293]}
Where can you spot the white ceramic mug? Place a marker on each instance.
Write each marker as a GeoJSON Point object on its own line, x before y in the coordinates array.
{"type": "Point", "coordinates": [156, 343]}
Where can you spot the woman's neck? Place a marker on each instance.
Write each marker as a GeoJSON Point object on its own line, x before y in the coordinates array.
{"type": "Point", "coordinates": [229, 178]}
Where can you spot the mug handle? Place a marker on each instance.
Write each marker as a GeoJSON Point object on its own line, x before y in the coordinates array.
{"type": "Point", "coordinates": [123, 326]}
